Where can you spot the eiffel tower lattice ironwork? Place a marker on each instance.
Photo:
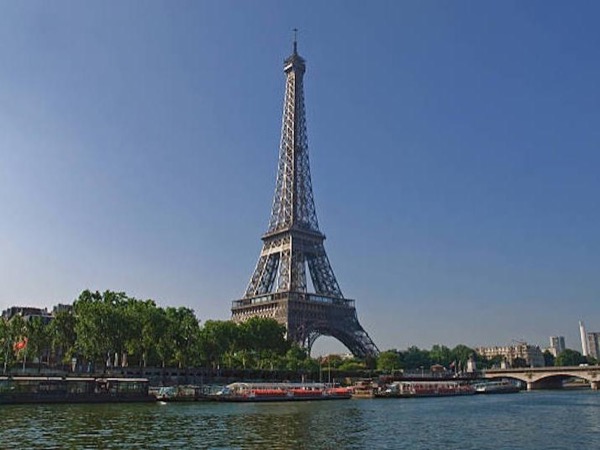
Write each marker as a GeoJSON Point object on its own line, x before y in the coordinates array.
{"type": "Point", "coordinates": [293, 243]}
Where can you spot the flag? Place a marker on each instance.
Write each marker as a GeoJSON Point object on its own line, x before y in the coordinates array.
{"type": "Point", "coordinates": [20, 345]}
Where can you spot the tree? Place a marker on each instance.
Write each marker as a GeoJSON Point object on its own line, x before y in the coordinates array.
{"type": "Point", "coordinates": [591, 360]}
{"type": "Point", "coordinates": [352, 365]}
{"type": "Point", "coordinates": [220, 341]}
{"type": "Point", "coordinates": [5, 343]}
{"type": "Point", "coordinates": [62, 335]}
{"type": "Point", "coordinates": [518, 363]}
{"type": "Point", "coordinates": [91, 327]}
{"type": "Point", "coordinates": [548, 359]}
{"type": "Point", "coordinates": [489, 363]}
{"type": "Point", "coordinates": [295, 358]}
{"type": "Point", "coordinates": [461, 354]}
{"type": "Point", "coordinates": [38, 338]}
{"type": "Point", "coordinates": [17, 333]}
{"type": "Point", "coordinates": [165, 344]}
{"type": "Point", "coordinates": [415, 358]}
{"type": "Point", "coordinates": [120, 323]}
{"type": "Point", "coordinates": [262, 334]}
{"type": "Point", "coordinates": [389, 361]}
{"type": "Point", "coordinates": [102, 325]}
{"type": "Point", "coordinates": [440, 354]}
{"type": "Point", "coordinates": [570, 357]}
{"type": "Point", "coordinates": [184, 332]}
{"type": "Point", "coordinates": [147, 323]}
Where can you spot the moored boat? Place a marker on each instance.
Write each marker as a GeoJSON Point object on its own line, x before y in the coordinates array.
{"type": "Point", "coordinates": [14, 390]}
{"type": "Point", "coordinates": [408, 389]}
{"type": "Point", "coordinates": [497, 387]}
{"type": "Point", "coordinates": [185, 393]}
{"type": "Point", "coordinates": [363, 389]}
{"type": "Point", "coordinates": [274, 392]}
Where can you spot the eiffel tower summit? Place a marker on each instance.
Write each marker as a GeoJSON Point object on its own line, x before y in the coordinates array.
{"type": "Point", "coordinates": [279, 287]}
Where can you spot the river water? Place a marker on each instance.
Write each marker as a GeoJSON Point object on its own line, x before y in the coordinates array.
{"type": "Point", "coordinates": [527, 420]}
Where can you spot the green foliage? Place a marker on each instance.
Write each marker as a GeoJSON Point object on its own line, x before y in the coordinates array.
{"type": "Point", "coordinates": [39, 339]}
{"type": "Point", "coordinates": [296, 358]}
{"type": "Point", "coordinates": [493, 362]}
{"type": "Point", "coordinates": [591, 360]}
{"type": "Point", "coordinates": [102, 325]}
{"type": "Point", "coordinates": [549, 359]}
{"type": "Point", "coordinates": [220, 341]}
{"type": "Point", "coordinates": [440, 354]}
{"type": "Point", "coordinates": [147, 325]}
{"type": "Point", "coordinates": [461, 354]}
{"type": "Point", "coordinates": [519, 363]}
{"type": "Point", "coordinates": [414, 358]}
{"type": "Point", "coordinates": [264, 335]}
{"type": "Point", "coordinates": [352, 365]}
{"type": "Point", "coordinates": [389, 361]}
{"type": "Point", "coordinates": [110, 327]}
{"type": "Point", "coordinates": [184, 330]}
{"type": "Point", "coordinates": [570, 358]}
{"type": "Point", "coordinates": [5, 342]}
{"type": "Point", "coordinates": [62, 335]}
{"type": "Point", "coordinates": [17, 333]}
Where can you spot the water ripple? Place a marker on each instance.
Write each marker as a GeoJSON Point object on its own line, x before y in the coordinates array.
{"type": "Point", "coordinates": [534, 420]}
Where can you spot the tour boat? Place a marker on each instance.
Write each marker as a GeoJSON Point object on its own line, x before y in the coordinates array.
{"type": "Point", "coordinates": [363, 389]}
{"type": "Point", "coordinates": [407, 389]}
{"type": "Point", "coordinates": [497, 387]}
{"type": "Point", "coordinates": [186, 393]}
{"type": "Point", "coordinates": [275, 392]}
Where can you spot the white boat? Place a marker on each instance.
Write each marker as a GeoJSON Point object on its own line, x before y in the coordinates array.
{"type": "Point", "coordinates": [497, 387]}
{"type": "Point", "coordinates": [407, 389]}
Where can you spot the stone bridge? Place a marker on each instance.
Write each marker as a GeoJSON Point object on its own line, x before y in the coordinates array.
{"type": "Point", "coordinates": [548, 377]}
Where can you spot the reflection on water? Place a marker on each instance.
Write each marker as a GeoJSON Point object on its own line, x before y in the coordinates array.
{"type": "Point", "coordinates": [544, 420]}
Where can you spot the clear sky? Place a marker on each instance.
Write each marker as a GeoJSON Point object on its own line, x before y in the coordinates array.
{"type": "Point", "coordinates": [454, 150]}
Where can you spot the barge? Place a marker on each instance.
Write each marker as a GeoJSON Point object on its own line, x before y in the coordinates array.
{"type": "Point", "coordinates": [280, 392]}
{"type": "Point", "coordinates": [15, 390]}
{"type": "Point", "coordinates": [497, 387]}
{"type": "Point", "coordinates": [186, 393]}
{"type": "Point", "coordinates": [409, 389]}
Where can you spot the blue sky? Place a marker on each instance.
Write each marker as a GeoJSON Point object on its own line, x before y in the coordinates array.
{"type": "Point", "coordinates": [454, 152]}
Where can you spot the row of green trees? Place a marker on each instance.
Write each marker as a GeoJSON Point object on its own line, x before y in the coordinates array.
{"type": "Point", "coordinates": [110, 328]}
{"type": "Point", "coordinates": [415, 358]}
{"type": "Point", "coordinates": [568, 357]}
{"type": "Point", "coordinates": [456, 358]}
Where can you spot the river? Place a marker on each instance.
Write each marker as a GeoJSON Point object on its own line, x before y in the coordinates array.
{"type": "Point", "coordinates": [527, 420]}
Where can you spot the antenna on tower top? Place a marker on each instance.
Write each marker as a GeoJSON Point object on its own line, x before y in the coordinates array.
{"type": "Point", "coordinates": [295, 30]}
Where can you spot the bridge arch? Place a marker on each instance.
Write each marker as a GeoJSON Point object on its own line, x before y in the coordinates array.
{"type": "Point", "coordinates": [548, 378]}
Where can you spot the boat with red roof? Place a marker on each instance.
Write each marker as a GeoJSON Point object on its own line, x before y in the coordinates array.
{"type": "Point", "coordinates": [275, 392]}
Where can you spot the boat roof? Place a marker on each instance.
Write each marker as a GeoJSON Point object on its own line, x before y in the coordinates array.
{"type": "Point", "coordinates": [72, 379]}
{"type": "Point", "coordinates": [125, 380]}
{"type": "Point", "coordinates": [283, 385]}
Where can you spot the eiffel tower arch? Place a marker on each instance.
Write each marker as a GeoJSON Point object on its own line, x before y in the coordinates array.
{"type": "Point", "coordinates": [293, 246]}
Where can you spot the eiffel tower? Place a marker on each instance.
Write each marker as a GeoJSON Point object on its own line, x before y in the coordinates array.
{"type": "Point", "coordinates": [278, 288]}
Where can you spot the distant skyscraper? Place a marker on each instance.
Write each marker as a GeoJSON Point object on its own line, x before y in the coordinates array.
{"type": "Point", "coordinates": [584, 342]}
{"type": "Point", "coordinates": [593, 342]}
{"type": "Point", "coordinates": [557, 345]}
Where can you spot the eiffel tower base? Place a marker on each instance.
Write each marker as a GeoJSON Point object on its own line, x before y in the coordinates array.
{"type": "Point", "coordinates": [308, 316]}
